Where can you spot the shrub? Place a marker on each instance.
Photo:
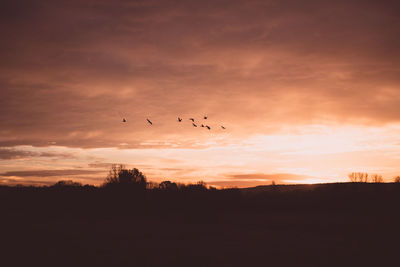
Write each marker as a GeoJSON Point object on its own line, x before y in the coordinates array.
{"type": "Point", "coordinates": [67, 183]}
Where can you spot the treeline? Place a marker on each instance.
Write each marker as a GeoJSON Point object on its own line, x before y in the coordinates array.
{"type": "Point", "coordinates": [127, 192]}
{"type": "Point", "coordinates": [363, 177]}
{"type": "Point", "coordinates": [121, 178]}
{"type": "Point", "coordinates": [132, 179]}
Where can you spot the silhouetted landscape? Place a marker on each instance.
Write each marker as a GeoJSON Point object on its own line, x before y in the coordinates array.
{"type": "Point", "coordinates": [129, 221]}
{"type": "Point", "coordinates": [246, 133]}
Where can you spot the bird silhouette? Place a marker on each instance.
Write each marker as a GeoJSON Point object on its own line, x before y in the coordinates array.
{"type": "Point", "coordinates": [149, 121]}
{"type": "Point", "coordinates": [202, 125]}
{"type": "Point", "coordinates": [205, 117]}
{"type": "Point", "coordinates": [223, 127]}
{"type": "Point", "coordinates": [179, 119]}
{"type": "Point", "coordinates": [191, 119]}
{"type": "Point", "coordinates": [208, 127]}
{"type": "Point", "coordinates": [194, 125]}
{"type": "Point", "coordinates": [123, 120]}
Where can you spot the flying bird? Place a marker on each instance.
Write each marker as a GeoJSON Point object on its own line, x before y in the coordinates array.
{"type": "Point", "coordinates": [191, 119]}
{"type": "Point", "coordinates": [179, 119]}
{"type": "Point", "coordinates": [149, 121]}
{"type": "Point", "coordinates": [223, 127]}
{"type": "Point", "coordinates": [205, 117]}
{"type": "Point", "coordinates": [202, 125]}
{"type": "Point", "coordinates": [194, 125]}
{"type": "Point", "coordinates": [123, 120]}
{"type": "Point", "coordinates": [208, 127]}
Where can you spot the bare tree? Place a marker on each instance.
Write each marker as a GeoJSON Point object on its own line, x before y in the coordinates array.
{"type": "Point", "coordinates": [152, 185]}
{"type": "Point", "coordinates": [352, 177]}
{"type": "Point", "coordinates": [377, 178]}
{"type": "Point", "coordinates": [359, 177]}
{"type": "Point", "coordinates": [397, 179]}
{"type": "Point", "coordinates": [112, 177]}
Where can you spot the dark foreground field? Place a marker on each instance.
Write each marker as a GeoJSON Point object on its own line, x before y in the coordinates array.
{"type": "Point", "coordinates": [320, 225]}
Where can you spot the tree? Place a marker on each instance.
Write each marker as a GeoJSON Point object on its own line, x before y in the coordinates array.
{"type": "Point", "coordinates": [152, 185]}
{"type": "Point", "coordinates": [199, 186]}
{"type": "Point", "coordinates": [121, 176]}
{"type": "Point", "coordinates": [361, 177]}
{"type": "Point", "coordinates": [358, 177]}
{"type": "Point", "coordinates": [397, 179]}
{"type": "Point", "coordinates": [353, 177]}
{"type": "Point", "coordinates": [168, 186]}
{"type": "Point", "coordinates": [377, 178]}
{"type": "Point", "coordinates": [67, 183]}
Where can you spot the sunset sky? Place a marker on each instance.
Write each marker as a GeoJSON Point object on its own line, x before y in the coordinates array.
{"type": "Point", "coordinates": [308, 90]}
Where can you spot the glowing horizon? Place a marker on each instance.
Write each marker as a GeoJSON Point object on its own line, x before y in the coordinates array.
{"type": "Point", "coordinates": [304, 157]}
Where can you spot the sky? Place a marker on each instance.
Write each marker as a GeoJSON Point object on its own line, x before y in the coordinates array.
{"type": "Point", "coordinates": [308, 91]}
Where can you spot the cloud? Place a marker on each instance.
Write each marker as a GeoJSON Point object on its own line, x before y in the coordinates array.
{"type": "Point", "coordinates": [238, 183]}
{"type": "Point", "coordinates": [7, 154]}
{"type": "Point", "coordinates": [101, 165]}
{"type": "Point", "coordinates": [10, 182]}
{"type": "Point", "coordinates": [254, 179]}
{"type": "Point", "coordinates": [49, 173]}
{"type": "Point", "coordinates": [72, 69]}
{"type": "Point", "coordinates": [242, 180]}
{"type": "Point", "coordinates": [12, 153]}
{"type": "Point", "coordinates": [276, 177]}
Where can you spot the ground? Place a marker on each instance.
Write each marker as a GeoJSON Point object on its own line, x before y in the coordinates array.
{"type": "Point", "coordinates": [341, 225]}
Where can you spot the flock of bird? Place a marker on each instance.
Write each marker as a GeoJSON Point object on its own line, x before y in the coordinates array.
{"type": "Point", "coordinates": [180, 120]}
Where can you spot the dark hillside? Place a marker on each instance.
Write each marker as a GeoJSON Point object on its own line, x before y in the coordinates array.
{"type": "Point", "coordinates": [349, 224]}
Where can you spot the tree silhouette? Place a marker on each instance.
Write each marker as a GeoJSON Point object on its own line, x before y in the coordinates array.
{"type": "Point", "coordinates": [360, 177]}
{"type": "Point", "coordinates": [120, 176]}
{"type": "Point", "coordinates": [67, 183]}
{"type": "Point", "coordinates": [168, 185]}
{"type": "Point", "coordinates": [199, 186]}
{"type": "Point", "coordinates": [377, 178]}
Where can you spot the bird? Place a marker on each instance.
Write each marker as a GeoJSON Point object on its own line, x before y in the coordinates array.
{"type": "Point", "coordinates": [149, 121]}
{"type": "Point", "coordinates": [191, 119]}
{"type": "Point", "coordinates": [223, 127]}
{"type": "Point", "coordinates": [194, 125]}
{"type": "Point", "coordinates": [205, 117]}
{"type": "Point", "coordinates": [123, 120]}
{"type": "Point", "coordinates": [202, 125]}
{"type": "Point", "coordinates": [208, 127]}
{"type": "Point", "coordinates": [179, 119]}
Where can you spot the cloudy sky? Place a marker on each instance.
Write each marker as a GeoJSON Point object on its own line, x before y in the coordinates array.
{"type": "Point", "coordinates": [308, 90]}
